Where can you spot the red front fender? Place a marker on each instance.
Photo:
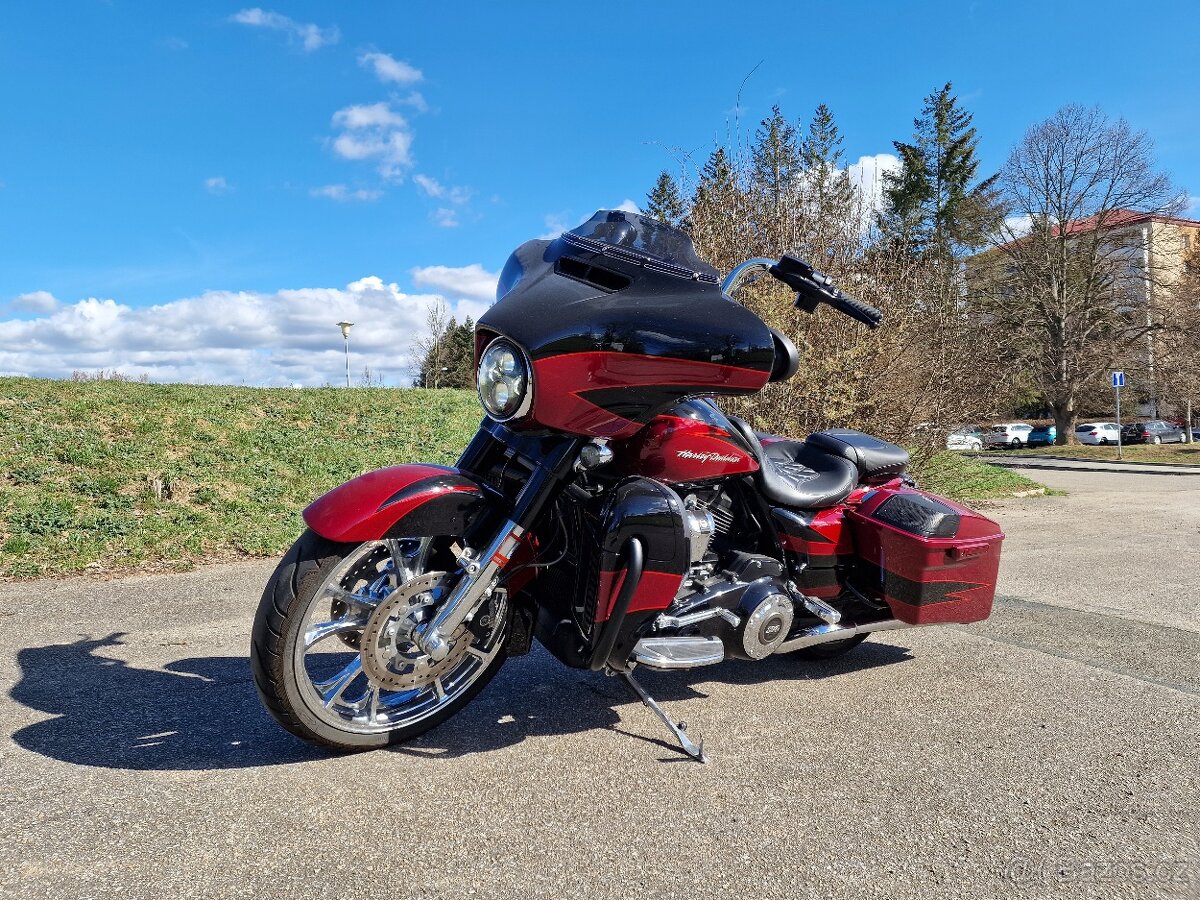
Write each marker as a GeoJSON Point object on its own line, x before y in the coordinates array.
{"type": "Point", "coordinates": [412, 500]}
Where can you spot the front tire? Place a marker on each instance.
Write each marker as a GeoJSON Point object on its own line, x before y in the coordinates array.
{"type": "Point", "coordinates": [328, 650]}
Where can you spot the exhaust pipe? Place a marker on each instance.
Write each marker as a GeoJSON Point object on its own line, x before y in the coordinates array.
{"type": "Point", "coordinates": [824, 633]}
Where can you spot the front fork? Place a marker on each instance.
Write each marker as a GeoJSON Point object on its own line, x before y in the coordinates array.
{"type": "Point", "coordinates": [553, 466]}
{"type": "Point", "coordinates": [479, 577]}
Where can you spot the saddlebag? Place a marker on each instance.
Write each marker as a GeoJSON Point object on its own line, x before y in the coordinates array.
{"type": "Point", "coordinates": [928, 558]}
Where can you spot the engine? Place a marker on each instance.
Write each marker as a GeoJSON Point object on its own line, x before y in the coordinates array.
{"type": "Point", "coordinates": [740, 597]}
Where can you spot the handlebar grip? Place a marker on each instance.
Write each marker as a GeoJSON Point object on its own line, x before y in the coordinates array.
{"type": "Point", "coordinates": [813, 287]}
{"type": "Point", "coordinates": [856, 309]}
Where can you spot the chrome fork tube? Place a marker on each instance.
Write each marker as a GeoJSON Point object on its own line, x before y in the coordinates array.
{"type": "Point", "coordinates": [478, 574]}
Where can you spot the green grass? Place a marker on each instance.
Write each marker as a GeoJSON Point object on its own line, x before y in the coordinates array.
{"type": "Point", "coordinates": [965, 478]}
{"type": "Point", "coordinates": [115, 477]}
{"type": "Point", "coordinates": [102, 476]}
{"type": "Point", "coordinates": [1174, 454]}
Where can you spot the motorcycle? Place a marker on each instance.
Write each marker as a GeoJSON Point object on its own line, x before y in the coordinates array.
{"type": "Point", "coordinates": [608, 508]}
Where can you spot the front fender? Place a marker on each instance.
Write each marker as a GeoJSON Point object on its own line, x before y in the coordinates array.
{"type": "Point", "coordinates": [415, 500]}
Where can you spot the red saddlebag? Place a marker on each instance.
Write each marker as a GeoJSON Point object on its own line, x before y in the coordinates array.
{"type": "Point", "coordinates": [930, 559]}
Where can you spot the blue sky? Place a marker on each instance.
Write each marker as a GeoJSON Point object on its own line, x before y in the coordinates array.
{"type": "Point", "coordinates": [240, 169]}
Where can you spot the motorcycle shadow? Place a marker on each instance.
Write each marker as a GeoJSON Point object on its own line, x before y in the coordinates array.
{"type": "Point", "coordinates": [195, 714]}
{"type": "Point", "coordinates": [203, 713]}
{"type": "Point", "coordinates": [535, 695]}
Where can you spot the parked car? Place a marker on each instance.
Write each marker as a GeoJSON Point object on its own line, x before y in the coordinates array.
{"type": "Point", "coordinates": [969, 437]}
{"type": "Point", "coordinates": [1042, 436]}
{"type": "Point", "coordinates": [1012, 434]}
{"type": "Point", "coordinates": [1155, 431]}
{"type": "Point", "coordinates": [1097, 433]}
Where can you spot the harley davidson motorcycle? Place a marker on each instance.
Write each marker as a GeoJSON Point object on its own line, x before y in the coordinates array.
{"type": "Point", "coordinates": [608, 508]}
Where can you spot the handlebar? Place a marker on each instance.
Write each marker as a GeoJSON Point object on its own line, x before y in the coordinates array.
{"type": "Point", "coordinates": [813, 287]}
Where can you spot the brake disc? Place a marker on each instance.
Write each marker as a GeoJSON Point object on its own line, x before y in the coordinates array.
{"type": "Point", "coordinates": [389, 652]}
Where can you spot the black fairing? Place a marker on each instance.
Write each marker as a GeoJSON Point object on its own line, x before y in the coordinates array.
{"type": "Point", "coordinates": [653, 513]}
{"type": "Point", "coordinates": [576, 294]}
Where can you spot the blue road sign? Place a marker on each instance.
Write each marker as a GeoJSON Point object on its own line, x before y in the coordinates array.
{"type": "Point", "coordinates": [1118, 379]}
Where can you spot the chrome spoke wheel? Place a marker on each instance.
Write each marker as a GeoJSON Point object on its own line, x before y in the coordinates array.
{"type": "Point", "coordinates": [355, 659]}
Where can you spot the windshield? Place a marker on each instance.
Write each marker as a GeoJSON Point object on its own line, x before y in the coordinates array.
{"type": "Point", "coordinates": [641, 239]}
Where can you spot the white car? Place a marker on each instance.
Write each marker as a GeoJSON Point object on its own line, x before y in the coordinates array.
{"type": "Point", "coordinates": [1011, 434]}
{"type": "Point", "coordinates": [1097, 433]}
{"type": "Point", "coordinates": [969, 437]}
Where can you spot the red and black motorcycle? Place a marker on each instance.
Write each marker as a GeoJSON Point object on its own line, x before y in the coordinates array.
{"type": "Point", "coordinates": [608, 508]}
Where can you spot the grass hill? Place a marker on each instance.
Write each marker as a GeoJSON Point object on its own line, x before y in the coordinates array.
{"type": "Point", "coordinates": [110, 476]}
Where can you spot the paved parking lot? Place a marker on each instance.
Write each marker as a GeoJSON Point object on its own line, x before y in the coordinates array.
{"type": "Point", "coordinates": [1048, 752]}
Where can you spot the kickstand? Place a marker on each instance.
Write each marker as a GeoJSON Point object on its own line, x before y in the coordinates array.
{"type": "Point", "coordinates": [695, 752]}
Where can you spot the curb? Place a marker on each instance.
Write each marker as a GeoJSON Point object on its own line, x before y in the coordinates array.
{"type": "Point", "coordinates": [1122, 468]}
{"type": "Point", "coordinates": [1089, 459]}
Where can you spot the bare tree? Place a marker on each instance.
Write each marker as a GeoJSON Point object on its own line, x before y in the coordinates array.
{"type": "Point", "coordinates": [1070, 279]}
{"type": "Point", "coordinates": [429, 346]}
{"type": "Point", "coordinates": [371, 378]}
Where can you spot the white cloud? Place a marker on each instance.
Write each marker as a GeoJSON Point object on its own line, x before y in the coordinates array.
{"type": "Point", "coordinates": [867, 176]}
{"type": "Point", "coordinates": [473, 281]}
{"type": "Point", "coordinates": [311, 37]}
{"type": "Point", "coordinates": [342, 194]}
{"type": "Point", "coordinates": [217, 185]}
{"type": "Point", "coordinates": [431, 187]}
{"type": "Point", "coordinates": [281, 338]}
{"type": "Point", "coordinates": [389, 69]}
{"type": "Point", "coordinates": [373, 115]}
{"type": "Point", "coordinates": [375, 132]}
{"type": "Point", "coordinates": [628, 206]}
{"type": "Point", "coordinates": [1016, 227]}
{"type": "Point", "coordinates": [445, 217]}
{"type": "Point", "coordinates": [34, 302]}
{"type": "Point", "coordinates": [416, 100]}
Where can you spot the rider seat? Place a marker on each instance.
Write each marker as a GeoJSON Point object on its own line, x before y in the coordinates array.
{"type": "Point", "coordinates": [799, 474]}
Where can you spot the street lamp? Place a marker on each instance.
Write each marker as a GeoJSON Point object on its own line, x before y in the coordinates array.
{"type": "Point", "coordinates": [346, 326]}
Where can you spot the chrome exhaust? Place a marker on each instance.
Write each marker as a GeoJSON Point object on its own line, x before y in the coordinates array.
{"type": "Point", "coordinates": [823, 634]}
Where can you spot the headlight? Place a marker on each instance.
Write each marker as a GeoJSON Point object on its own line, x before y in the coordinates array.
{"type": "Point", "coordinates": [503, 380]}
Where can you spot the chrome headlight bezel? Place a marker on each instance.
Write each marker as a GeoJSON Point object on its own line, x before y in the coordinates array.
{"type": "Point", "coordinates": [522, 378]}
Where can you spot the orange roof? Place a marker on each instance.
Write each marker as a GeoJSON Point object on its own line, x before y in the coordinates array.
{"type": "Point", "coordinates": [1122, 218]}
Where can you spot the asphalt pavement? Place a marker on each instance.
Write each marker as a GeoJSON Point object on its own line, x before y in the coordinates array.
{"type": "Point", "coordinates": [1048, 752]}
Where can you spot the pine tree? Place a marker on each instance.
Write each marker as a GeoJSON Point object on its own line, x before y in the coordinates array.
{"type": "Point", "coordinates": [716, 178]}
{"type": "Point", "coordinates": [933, 205]}
{"type": "Point", "coordinates": [664, 202]}
{"type": "Point", "coordinates": [775, 157]}
{"type": "Point", "coordinates": [828, 183]}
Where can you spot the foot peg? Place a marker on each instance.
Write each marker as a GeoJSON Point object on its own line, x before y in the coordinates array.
{"type": "Point", "coordinates": [678, 730]}
{"type": "Point", "coordinates": [821, 610]}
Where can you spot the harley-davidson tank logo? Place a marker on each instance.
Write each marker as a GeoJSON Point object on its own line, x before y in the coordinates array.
{"type": "Point", "coordinates": [708, 456]}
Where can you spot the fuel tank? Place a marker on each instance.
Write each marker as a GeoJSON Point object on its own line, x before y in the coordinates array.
{"type": "Point", "coordinates": [692, 441]}
{"type": "Point", "coordinates": [619, 320]}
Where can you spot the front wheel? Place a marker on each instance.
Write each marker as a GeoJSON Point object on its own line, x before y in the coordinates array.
{"type": "Point", "coordinates": [1016, 443]}
{"type": "Point", "coordinates": [333, 647]}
